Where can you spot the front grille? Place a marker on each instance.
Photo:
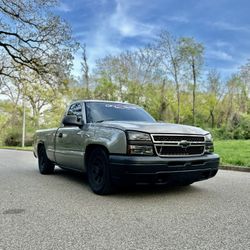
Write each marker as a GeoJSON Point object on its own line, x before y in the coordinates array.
{"type": "Point", "coordinates": [177, 150]}
{"type": "Point", "coordinates": [170, 145]}
{"type": "Point", "coordinates": [167, 138]}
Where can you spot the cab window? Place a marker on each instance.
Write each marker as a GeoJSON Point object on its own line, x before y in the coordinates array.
{"type": "Point", "coordinates": [75, 109]}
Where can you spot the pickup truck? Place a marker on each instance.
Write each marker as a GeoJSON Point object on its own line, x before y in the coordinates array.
{"type": "Point", "coordinates": [115, 143]}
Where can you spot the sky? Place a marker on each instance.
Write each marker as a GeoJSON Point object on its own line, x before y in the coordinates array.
{"type": "Point", "coordinates": [112, 26]}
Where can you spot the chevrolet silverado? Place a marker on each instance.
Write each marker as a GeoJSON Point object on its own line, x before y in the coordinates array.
{"type": "Point", "coordinates": [115, 142]}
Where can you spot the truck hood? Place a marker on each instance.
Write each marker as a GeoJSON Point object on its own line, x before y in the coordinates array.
{"type": "Point", "coordinates": [155, 127]}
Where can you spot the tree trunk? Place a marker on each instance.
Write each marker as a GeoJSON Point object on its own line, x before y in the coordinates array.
{"type": "Point", "coordinates": [163, 102]}
{"type": "Point", "coordinates": [87, 85]}
{"type": "Point", "coordinates": [178, 97]}
{"type": "Point", "coordinates": [120, 90]}
{"type": "Point", "coordinates": [194, 90]}
{"type": "Point", "coordinates": [85, 68]}
{"type": "Point", "coordinates": [212, 118]}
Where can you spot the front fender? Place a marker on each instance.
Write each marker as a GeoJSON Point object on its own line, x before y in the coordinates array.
{"type": "Point", "coordinates": [113, 139]}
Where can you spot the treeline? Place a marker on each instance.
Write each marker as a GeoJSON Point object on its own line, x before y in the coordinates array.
{"type": "Point", "coordinates": [168, 78]}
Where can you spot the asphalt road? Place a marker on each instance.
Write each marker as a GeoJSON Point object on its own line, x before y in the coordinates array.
{"type": "Point", "coordinates": [61, 212]}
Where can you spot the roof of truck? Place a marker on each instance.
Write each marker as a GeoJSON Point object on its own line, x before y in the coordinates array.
{"type": "Point", "coordinates": [92, 100]}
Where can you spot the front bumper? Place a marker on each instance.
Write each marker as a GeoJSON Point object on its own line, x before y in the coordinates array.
{"type": "Point", "coordinates": [144, 169]}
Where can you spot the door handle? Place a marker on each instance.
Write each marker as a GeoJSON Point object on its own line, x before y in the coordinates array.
{"type": "Point", "coordinates": [60, 135]}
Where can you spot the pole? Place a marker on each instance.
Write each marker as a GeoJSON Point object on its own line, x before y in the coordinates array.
{"type": "Point", "coordinates": [23, 131]}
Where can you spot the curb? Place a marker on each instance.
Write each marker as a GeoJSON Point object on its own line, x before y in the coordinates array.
{"type": "Point", "coordinates": [234, 168]}
{"type": "Point", "coordinates": [17, 149]}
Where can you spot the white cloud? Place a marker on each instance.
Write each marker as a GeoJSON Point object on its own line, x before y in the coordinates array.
{"type": "Point", "coordinates": [107, 34]}
{"type": "Point", "coordinates": [125, 24]}
{"type": "Point", "coordinates": [222, 44]}
{"type": "Point", "coordinates": [219, 55]}
{"type": "Point", "coordinates": [179, 19]}
{"type": "Point", "coordinates": [63, 7]}
{"type": "Point", "coordinates": [229, 26]}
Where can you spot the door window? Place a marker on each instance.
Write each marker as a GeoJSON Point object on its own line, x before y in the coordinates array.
{"type": "Point", "coordinates": [76, 109]}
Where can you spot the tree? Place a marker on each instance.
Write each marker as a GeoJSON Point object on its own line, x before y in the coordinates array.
{"type": "Point", "coordinates": [213, 93]}
{"type": "Point", "coordinates": [112, 70]}
{"type": "Point", "coordinates": [244, 75]}
{"type": "Point", "coordinates": [168, 47]}
{"type": "Point", "coordinates": [34, 92]}
{"type": "Point", "coordinates": [33, 38]}
{"type": "Point", "coordinates": [85, 69]}
{"type": "Point", "coordinates": [105, 90]}
{"type": "Point", "coordinates": [192, 52]}
{"type": "Point", "coordinates": [129, 71]}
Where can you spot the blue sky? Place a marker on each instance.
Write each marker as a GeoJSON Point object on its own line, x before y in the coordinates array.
{"type": "Point", "coordinates": [111, 26]}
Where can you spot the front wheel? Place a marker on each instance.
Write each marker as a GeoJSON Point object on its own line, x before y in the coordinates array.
{"type": "Point", "coordinates": [98, 172]}
{"type": "Point", "coordinates": [45, 165]}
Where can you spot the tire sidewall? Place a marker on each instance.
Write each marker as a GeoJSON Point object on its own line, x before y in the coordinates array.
{"type": "Point", "coordinates": [41, 159]}
{"type": "Point", "coordinates": [44, 164]}
{"type": "Point", "coordinates": [105, 186]}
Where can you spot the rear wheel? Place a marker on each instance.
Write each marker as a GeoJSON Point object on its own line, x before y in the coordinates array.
{"type": "Point", "coordinates": [45, 165]}
{"type": "Point", "coordinates": [98, 172]}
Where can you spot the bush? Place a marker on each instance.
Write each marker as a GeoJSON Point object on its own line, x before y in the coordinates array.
{"type": "Point", "coordinates": [221, 133]}
{"type": "Point", "coordinates": [14, 139]}
{"type": "Point", "coordinates": [237, 130]}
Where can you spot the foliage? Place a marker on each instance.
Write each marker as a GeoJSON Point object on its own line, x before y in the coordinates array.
{"type": "Point", "coordinates": [166, 77]}
{"type": "Point", "coordinates": [15, 139]}
{"type": "Point", "coordinates": [32, 38]}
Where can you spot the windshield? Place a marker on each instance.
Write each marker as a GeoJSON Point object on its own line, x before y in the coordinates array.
{"type": "Point", "coordinates": [111, 111]}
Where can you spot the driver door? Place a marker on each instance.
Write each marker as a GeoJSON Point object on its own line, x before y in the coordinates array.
{"type": "Point", "coordinates": [69, 142]}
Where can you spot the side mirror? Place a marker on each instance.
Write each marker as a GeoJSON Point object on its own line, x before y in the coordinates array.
{"type": "Point", "coordinates": [72, 120]}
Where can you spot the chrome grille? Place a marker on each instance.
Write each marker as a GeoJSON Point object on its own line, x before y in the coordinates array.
{"type": "Point", "coordinates": [176, 138]}
{"type": "Point", "coordinates": [171, 145]}
{"type": "Point", "coordinates": [177, 150]}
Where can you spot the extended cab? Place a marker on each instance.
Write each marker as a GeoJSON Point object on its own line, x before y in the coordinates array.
{"type": "Point", "coordinates": [118, 142]}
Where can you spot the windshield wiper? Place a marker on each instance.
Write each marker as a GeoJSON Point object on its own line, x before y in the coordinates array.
{"type": "Point", "coordinates": [105, 120]}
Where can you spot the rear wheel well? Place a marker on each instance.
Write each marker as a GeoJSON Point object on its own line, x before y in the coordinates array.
{"type": "Point", "coordinates": [90, 148]}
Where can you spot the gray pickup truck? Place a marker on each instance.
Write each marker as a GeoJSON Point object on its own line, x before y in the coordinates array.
{"type": "Point", "coordinates": [116, 143]}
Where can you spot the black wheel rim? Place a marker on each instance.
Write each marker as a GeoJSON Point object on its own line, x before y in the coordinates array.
{"type": "Point", "coordinates": [97, 171]}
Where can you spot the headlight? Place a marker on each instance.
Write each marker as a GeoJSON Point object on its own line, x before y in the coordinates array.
{"type": "Point", "coordinates": [140, 150]}
{"type": "Point", "coordinates": [209, 143]}
{"type": "Point", "coordinates": [138, 136]}
{"type": "Point", "coordinates": [208, 137]}
{"type": "Point", "coordinates": [139, 143]}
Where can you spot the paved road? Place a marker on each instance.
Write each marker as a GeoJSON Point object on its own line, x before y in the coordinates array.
{"type": "Point", "coordinates": [60, 212]}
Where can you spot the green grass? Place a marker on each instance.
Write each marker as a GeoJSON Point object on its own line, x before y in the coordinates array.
{"type": "Point", "coordinates": [233, 152]}
{"type": "Point", "coordinates": [17, 148]}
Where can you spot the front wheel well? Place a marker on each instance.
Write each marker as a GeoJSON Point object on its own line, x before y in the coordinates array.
{"type": "Point", "coordinates": [90, 148]}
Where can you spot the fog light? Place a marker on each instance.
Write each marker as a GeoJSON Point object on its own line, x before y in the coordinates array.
{"type": "Point", "coordinates": [140, 150]}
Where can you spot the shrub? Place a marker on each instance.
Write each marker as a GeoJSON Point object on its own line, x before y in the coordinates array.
{"type": "Point", "coordinates": [12, 139]}
{"type": "Point", "coordinates": [15, 139]}
{"type": "Point", "coordinates": [237, 130]}
{"type": "Point", "coordinates": [221, 133]}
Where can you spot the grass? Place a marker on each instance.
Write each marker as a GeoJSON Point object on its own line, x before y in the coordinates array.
{"type": "Point", "coordinates": [17, 148]}
{"type": "Point", "coordinates": [233, 152]}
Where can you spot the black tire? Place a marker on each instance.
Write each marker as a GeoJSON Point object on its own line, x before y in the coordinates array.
{"type": "Point", "coordinates": [45, 165]}
{"type": "Point", "coordinates": [98, 172]}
